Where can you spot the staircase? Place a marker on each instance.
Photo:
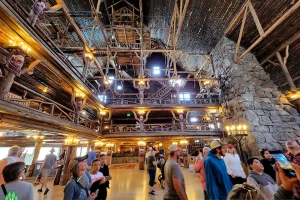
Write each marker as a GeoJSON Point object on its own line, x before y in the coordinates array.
{"type": "Point", "coordinates": [163, 91]}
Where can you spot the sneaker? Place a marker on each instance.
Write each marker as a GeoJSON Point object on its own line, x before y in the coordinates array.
{"type": "Point", "coordinates": [151, 193]}
{"type": "Point", "coordinates": [40, 190]}
{"type": "Point", "coordinates": [46, 191]}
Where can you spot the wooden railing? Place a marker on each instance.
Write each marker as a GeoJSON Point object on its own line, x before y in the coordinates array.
{"type": "Point", "coordinates": [55, 110]}
{"type": "Point", "coordinates": [162, 101]}
{"type": "Point", "coordinates": [158, 127]}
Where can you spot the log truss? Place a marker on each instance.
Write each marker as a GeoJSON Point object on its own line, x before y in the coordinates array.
{"type": "Point", "coordinates": [248, 6]}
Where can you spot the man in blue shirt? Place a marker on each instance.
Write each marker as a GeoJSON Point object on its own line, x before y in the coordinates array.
{"type": "Point", "coordinates": [218, 183]}
{"type": "Point", "coordinates": [91, 157]}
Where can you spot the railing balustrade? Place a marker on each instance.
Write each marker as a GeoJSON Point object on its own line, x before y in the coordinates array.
{"type": "Point", "coordinates": [161, 101]}
{"type": "Point", "coordinates": [158, 127]}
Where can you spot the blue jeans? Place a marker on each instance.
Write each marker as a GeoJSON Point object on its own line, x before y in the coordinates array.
{"type": "Point", "coordinates": [152, 177]}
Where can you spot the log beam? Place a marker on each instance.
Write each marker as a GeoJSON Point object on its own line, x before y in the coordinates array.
{"type": "Point", "coordinates": [37, 148]}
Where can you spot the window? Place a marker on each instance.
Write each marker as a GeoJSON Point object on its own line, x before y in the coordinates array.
{"type": "Point", "coordinates": [119, 87]}
{"type": "Point", "coordinates": [193, 119]}
{"type": "Point", "coordinates": [177, 83]}
{"type": "Point", "coordinates": [111, 79]}
{"type": "Point", "coordinates": [81, 151]}
{"type": "Point", "coordinates": [156, 71]}
{"type": "Point", "coordinates": [185, 97]}
{"type": "Point", "coordinates": [102, 98]}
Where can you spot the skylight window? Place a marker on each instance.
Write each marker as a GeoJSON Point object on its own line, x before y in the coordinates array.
{"type": "Point", "coordinates": [156, 70]}
{"type": "Point", "coordinates": [119, 87]}
{"type": "Point", "coordinates": [185, 96]}
{"type": "Point", "coordinates": [111, 79]}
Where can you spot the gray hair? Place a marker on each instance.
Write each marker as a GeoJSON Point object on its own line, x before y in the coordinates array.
{"type": "Point", "coordinates": [206, 150]}
{"type": "Point", "coordinates": [14, 150]}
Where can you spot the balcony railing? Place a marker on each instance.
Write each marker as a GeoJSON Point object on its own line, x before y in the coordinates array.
{"type": "Point", "coordinates": [162, 101]}
{"type": "Point", "coordinates": [158, 128]}
{"type": "Point", "coordinates": [53, 109]}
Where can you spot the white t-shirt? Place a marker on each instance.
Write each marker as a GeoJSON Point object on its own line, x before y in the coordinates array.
{"type": "Point", "coordinates": [233, 165]}
{"type": "Point", "coordinates": [96, 177]}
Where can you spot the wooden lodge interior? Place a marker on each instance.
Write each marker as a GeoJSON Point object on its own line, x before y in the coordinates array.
{"type": "Point", "coordinates": [118, 76]}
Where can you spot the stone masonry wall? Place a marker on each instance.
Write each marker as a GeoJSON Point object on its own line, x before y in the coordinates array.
{"type": "Point", "coordinates": [251, 96]}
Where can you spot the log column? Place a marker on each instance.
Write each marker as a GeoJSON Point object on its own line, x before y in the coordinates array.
{"type": "Point", "coordinates": [142, 152]}
{"type": "Point", "coordinates": [37, 149]}
{"type": "Point", "coordinates": [70, 154]}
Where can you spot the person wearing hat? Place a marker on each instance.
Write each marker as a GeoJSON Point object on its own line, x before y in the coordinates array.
{"type": "Point", "coordinates": [218, 183]}
{"type": "Point", "coordinates": [234, 166]}
{"type": "Point", "coordinates": [48, 165]}
{"type": "Point", "coordinates": [173, 177]}
{"type": "Point", "coordinates": [78, 186]}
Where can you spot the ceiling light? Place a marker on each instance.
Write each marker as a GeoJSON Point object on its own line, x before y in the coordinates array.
{"type": "Point", "coordinates": [119, 87]}
{"type": "Point", "coordinates": [180, 111]}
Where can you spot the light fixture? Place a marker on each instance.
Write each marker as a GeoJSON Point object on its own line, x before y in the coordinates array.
{"type": "Point", "coordinates": [109, 145]}
{"type": "Point", "coordinates": [237, 129]}
{"type": "Point", "coordinates": [160, 144]}
{"type": "Point", "coordinates": [175, 143]}
{"type": "Point", "coordinates": [193, 119]}
{"type": "Point", "coordinates": [141, 112]}
{"type": "Point", "coordinates": [79, 95]}
{"type": "Point", "coordinates": [83, 112]}
{"type": "Point", "coordinates": [141, 143]}
{"type": "Point", "coordinates": [102, 112]}
{"type": "Point", "coordinates": [45, 89]}
{"type": "Point", "coordinates": [183, 142]}
{"type": "Point", "coordinates": [141, 82]}
{"type": "Point", "coordinates": [72, 140]}
{"type": "Point", "coordinates": [35, 137]}
{"type": "Point", "coordinates": [88, 56]}
{"type": "Point", "coordinates": [119, 87]}
{"type": "Point", "coordinates": [99, 143]}
{"type": "Point", "coordinates": [106, 127]}
{"type": "Point", "coordinates": [293, 94]}
{"type": "Point", "coordinates": [83, 142]}
{"type": "Point", "coordinates": [206, 82]}
{"type": "Point", "coordinates": [11, 42]}
{"type": "Point", "coordinates": [197, 141]}
{"type": "Point", "coordinates": [179, 111]}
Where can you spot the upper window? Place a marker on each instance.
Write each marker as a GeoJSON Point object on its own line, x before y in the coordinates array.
{"type": "Point", "coordinates": [156, 70]}
{"type": "Point", "coordinates": [184, 96]}
{"type": "Point", "coordinates": [102, 98]}
{"type": "Point", "coordinates": [111, 79]}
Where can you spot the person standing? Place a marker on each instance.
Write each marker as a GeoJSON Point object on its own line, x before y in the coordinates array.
{"type": "Point", "coordinates": [200, 163]}
{"type": "Point", "coordinates": [161, 166]}
{"type": "Point", "coordinates": [105, 171]}
{"type": "Point", "coordinates": [218, 183]}
{"type": "Point", "coordinates": [48, 165]}
{"type": "Point", "coordinates": [79, 184]}
{"type": "Point", "coordinates": [98, 179]}
{"type": "Point", "coordinates": [13, 156]}
{"type": "Point", "coordinates": [268, 163]}
{"type": "Point", "coordinates": [174, 177]}
{"type": "Point", "coordinates": [13, 175]}
{"type": "Point", "coordinates": [293, 155]}
{"type": "Point", "coordinates": [261, 180]}
{"type": "Point", "coordinates": [151, 168]}
{"type": "Point", "coordinates": [161, 152]}
{"type": "Point", "coordinates": [234, 166]}
{"type": "Point", "coordinates": [91, 156]}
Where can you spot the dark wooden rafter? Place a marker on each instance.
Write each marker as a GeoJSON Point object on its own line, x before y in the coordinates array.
{"type": "Point", "coordinates": [263, 34]}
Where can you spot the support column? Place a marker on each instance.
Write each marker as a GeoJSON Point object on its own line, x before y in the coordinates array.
{"type": "Point", "coordinates": [142, 152]}
{"type": "Point", "coordinates": [37, 149]}
{"type": "Point", "coordinates": [70, 154]}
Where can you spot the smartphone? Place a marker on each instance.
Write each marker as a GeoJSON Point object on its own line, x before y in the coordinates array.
{"type": "Point", "coordinates": [284, 163]}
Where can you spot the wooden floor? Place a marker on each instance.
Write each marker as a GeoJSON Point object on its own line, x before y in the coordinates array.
{"type": "Point", "coordinates": [132, 184]}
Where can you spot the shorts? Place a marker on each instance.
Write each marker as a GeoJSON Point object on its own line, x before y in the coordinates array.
{"type": "Point", "coordinates": [45, 173]}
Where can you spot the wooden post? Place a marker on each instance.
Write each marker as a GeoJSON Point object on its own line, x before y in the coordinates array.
{"type": "Point", "coordinates": [285, 71]}
{"type": "Point", "coordinates": [70, 154]}
{"type": "Point", "coordinates": [5, 84]}
{"type": "Point", "coordinates": [37, 149]}
{"type": "Point", "coordinates": [142, 153]}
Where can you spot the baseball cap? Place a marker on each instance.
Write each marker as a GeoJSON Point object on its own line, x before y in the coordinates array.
{"type": "Point", "coordinates": [173, 147]}
{"type": "Point", "coordinates": [230, 146]}
{"type": "Point", "coordinates": [76, 160]}
{"type": "Point", "coordinates": [215, 144]}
